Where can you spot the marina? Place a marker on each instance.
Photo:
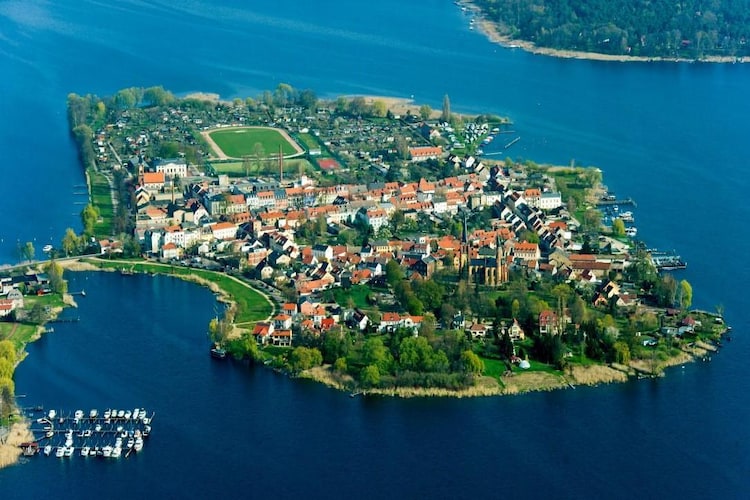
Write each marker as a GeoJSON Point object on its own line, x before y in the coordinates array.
{"type": "Point", "coordinates": [108, 434]}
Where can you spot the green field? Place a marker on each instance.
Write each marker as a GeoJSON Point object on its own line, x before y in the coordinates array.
{"type": "Point", "coordinates": [240, 142]}
{"type": "Point", "coordinates": [237, 168]}
{"type": "Point", "coordinates": [101, 195]}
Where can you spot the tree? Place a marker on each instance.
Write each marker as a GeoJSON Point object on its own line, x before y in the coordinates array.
{"type": "Point", "coordinates": [471, 363]}
{"type": "Point", "coordinates": [425, 112]}
{"type": "Point", "coordinates": [370, 376]}
{"type": "Point", "coordinates": [618, 227]}
{"type": "Point", "coordinates": [340, 365]}
{"type": "Point", "coordinates": [304, 358]}
{"type": "Point", "coordinates": [219, 330]}
{"type": "Point", "coordinates": [70, 242]}
{"type": "Point", "coordinates": [307, 99]}
{"type": "Point", "coordinates": [28, 251]}
{"type": "Point", "coordinates": [622, 352]}
{"type": "Point", "coordinates": [685, 294]}
{"type": "Point", "coordinates": [577, 310]}
{"type": "Point", "coordinates": [6, 369]}
{"type": "Point", "coordinates": [55, 275]}
{"type": "Point", "coordinates": [379, 108]}
{"type": "Point", "coordinates": [157, 96]}
{"type": "Point", "coordinates": [446, 114]}
{"type": "Point", "coordinates": [8, 351]}
{"type": "Point", "coordinates": [375, 353]}
{"type": "Point", "coordinates": [89, 216]}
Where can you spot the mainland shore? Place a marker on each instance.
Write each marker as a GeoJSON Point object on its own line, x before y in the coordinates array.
{"type": "Point", "coordinates": [490, 30]}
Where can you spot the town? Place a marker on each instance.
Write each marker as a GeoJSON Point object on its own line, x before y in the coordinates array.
{"type": "Point", "coordinates": [398, 254]}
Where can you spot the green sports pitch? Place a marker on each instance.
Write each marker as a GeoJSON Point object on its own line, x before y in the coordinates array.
{"type": "Point", "coordinates": [240, 142]}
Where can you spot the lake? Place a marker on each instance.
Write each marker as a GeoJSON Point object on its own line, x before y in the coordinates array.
{"type": "Point", "coordinates": [672, 136]}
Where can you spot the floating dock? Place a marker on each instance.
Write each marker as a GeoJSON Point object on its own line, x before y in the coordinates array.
{"type": "Point", "coordinates": [111, 433]}
{"type": "Point", "coordinates": [667, 261]}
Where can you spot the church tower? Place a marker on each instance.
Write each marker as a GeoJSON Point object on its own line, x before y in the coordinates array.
{"type": "Point", "coordinates": [501, 264]}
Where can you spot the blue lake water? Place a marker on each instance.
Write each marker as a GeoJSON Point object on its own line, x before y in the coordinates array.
{"type": "Point", "coordinates": [673, 136]}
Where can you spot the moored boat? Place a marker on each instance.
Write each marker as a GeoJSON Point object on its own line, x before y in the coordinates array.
{"type": "Point", "coordinates": [85, 451]}
{"type": "Point", "coordinates": [60, 452]}
{"type": "Point", "coordinates": [48, 449]}
{"type": "Point", "coordinates": [93, 413]}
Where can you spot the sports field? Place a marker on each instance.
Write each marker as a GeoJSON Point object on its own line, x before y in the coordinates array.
{"type": "Point", "coordinates": [237, 142]}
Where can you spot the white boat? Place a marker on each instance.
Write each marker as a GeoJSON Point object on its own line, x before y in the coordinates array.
{"type": "Point", "coordinates": [131, 442]}
{"type": "Point", "coordinates": [146, 430]}
{"type": "Point", "coordinates": [93, 413]}
{"type": "Point", "coordinates": [136, 414]}
{"type": "Point", "coordinates": [78, 415]}
{"type": "Point", "coordinates": [87, 433]}
{"type": "Point", "coordinates": [69, 451]}
{"type": "Point", "coordinates": [60, 452]}
{"type": "Point", "coordinates": [118, 442]}
{"type": "Point", "coordinates": [138, 445]}
{"type": "Point", "coordinates": [51, 414]}
{"type": "Point", "coordinates": [120, 413]}
{"type": "Point", "coordinates": [49, 433]}
{"type": "Point", "coordinates": [116, 452]}
{"type": "Point", "coordinates": [85, 451]}
{"type": "Point", "coordinates": [123, 434]}
{"type": "Point", "coordinates": [146, 420]}
{"type": "Point", "coordinates": [47, 248]}
{"type": "Point", "coordinates": [98, 427]}
{"type": "Point", "coordinates": [107, 413]}
{"type": "Point", "coordinates": [127, 415]}
{"type": "Point", "coordinates": [48, 449]}
{"type": "Point", "coordinates": [142, 413]}
{"type": "Point", "coordinates": [631, 231]}
{"type": "Point", "coordinates": [69, 441]}
{"type": "Point", "coordinates": [107, 451]}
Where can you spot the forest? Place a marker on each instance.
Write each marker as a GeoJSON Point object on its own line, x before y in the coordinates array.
{"type": "Point", "coordinates": [691, 29]}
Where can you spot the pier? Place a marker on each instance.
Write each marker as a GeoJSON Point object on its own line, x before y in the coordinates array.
{"type": "Point", "coordinates": [512, 142]}
{"type": "Point", "coordinates": [624, 201]}
{"type": "Point", "coordinates": [107, 434]}
{"type": "Point", "coordinates": [667, 261]}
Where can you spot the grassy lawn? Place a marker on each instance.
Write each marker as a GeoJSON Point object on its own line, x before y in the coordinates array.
{"type": "Point", "coordinates": [358, 294]}
{"type": "Point", "coordinates": [251, 305]}
{"type": "Point", "coordinates": [101, 195]}
{"type": "Point", "coordinates": [18, 333]}
{"type": "Point", "coordinates": [309, 141]}
{"type": "Point", "coordinates": [238, 142]}
{"type": "Point", "coordinates": [237, 168]}
{"type": "Point", "coordinates": [493, 368]}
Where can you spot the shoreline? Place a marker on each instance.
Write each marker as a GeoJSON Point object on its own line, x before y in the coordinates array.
{"type": "Point", "coordinates": [489, 29]}
{"type": "Point", "coordinates": [520, 382]}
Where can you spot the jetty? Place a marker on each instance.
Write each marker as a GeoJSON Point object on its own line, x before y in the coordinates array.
{"type": "Point", "coordinates": [111, 433]}
{"type": "Point", "coordinates": [608, 202]}
{"type": "Point", "coordinates": [512, 142]}
{"type": "Point", "coordinates": [667, 261]}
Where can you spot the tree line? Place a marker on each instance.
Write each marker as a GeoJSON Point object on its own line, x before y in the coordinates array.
{"type": "Point", "coordinates": [649, 28]}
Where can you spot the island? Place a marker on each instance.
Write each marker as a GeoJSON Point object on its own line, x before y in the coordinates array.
{"type": "Point", "coordinates": [369, 243]}
{"type": "Point", "coordinates": [619, 30]}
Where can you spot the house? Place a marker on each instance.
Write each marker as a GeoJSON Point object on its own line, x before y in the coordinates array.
{"type": "Point", "coordinates": [171, 168]}
{"type": "Point", "coordinates": [153, 181]}
{"type": "Point", "coordinates": [282, 321]}
{"type": "Point", "coordinates": [6, 307]}
{"type": "Point", "coordinates": [516, 332]}
{"type": "Point", "coordinates": [16, 297]}
{"type": "Point", "coordinates": [358, 319]}
{"type": "Point", "coordinates": [262, 332]}
{"type": "Point", "coordinates": [170, 251]}
{"type": "Point", "coordinates": [389, 321]}
{"type": "Point", "coordinates": [478, 331]}
{"type": "Point", "coordinates": [224, 231]}
{"type": "Point", "coordinates": [548, 323]}
{"type": "Point", "coordinates": [423, 153]}
{"type": "Point", "coordinates": [281, 338]}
